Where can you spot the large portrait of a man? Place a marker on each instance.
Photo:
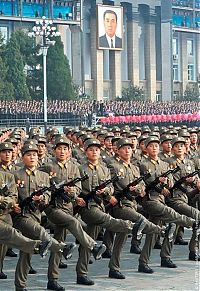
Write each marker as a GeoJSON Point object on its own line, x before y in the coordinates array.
{"type": "Point", "coordinates": [110, 27]}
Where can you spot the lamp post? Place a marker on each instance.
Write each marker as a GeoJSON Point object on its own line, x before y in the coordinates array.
{"type": "Point", "coordinates": [45, 30]}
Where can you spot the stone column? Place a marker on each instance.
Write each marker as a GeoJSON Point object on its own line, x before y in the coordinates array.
{"type": "Point", "coordinates": [150, 53]}
{"type": "Point", "coordinates": [115, 73]}
{"type": "Point", "coordinates": [76, 54]}
{"type": "Point", "coordinates": [166, 48]}
{"type": "Point", "coordinates": [133, 45]}
{"type": "Point", "coordinates": [197, 42]}
{"type": "Point", "coordinates": [184, 58]}
{"type": "Point", "coordinates": [96, 57]}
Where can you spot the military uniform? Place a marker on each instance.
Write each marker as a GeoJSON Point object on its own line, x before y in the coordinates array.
{"type": "Point", "coordinates": [179, 201]}
{"type": "Point", "coordinates": [29, 181]}
{"type": "Point", "coordinates": [95, 217]}
{"type": "Point", "coordinates": [61, 214]}
{"type": "Point", "coordinates": [9, 235]}
{"type": "Point", "coordinates": [157, 209]}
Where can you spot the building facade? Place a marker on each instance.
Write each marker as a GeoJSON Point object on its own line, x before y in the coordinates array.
{"type": "Point", "coordinates": [161, 44]}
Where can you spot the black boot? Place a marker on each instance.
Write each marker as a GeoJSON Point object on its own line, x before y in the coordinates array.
{"type": "Point", "coordinates": [135, 249]}
{"type": "Point", "coordinates": [84, 280]}
{"type": "Point", "coordinates": [53, 285]}
{"type": "Point", "coordinates": [144, 268]}
{"type": "Point", "coordinates": [167, 263]}
{"type": "Point", "coordinates": [180, 241]}
{"type": "Point", "coordinates": [193, 256]}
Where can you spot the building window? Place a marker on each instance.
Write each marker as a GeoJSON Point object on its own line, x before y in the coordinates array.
{"type": "Point", "coordinates": [158, 96]}
{"type": "Point", "coordinates": [4, 33]}
{"type": "Point", "coordinates": [191, 72]}
{"type": "Point", "coordinates": [175, 73]}
{"type": "Point", "coordinates": [190, 47]}
{"type": "Point", "coordinates": [175, 46]}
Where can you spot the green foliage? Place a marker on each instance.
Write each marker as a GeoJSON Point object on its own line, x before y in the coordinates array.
{"type": "Point", "coordinates": [6, 88]}
{"type": "Point", "coordinates": [191, 93]}
{"type": "Point", "coordinates": [59, 80]}
{"type": "Point", "coordinates": [15, 73]}
{"type": "Point", "coordinates": [132, 93]}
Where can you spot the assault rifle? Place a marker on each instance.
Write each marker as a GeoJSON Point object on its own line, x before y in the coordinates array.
{"type": "Point", "coordinates": [92, 195]}
{"type": "Point", "coordinates": [154, 184]}
{"type": "Point", "coordinates": [178, 184]}
{"type": "Point", "coordinates": [125, 193]}
{"type": "Point", "coordinates": [57, 190]}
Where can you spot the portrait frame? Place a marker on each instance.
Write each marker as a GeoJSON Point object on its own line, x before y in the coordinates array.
{"type": "Point", "coordinates": [102, 43]}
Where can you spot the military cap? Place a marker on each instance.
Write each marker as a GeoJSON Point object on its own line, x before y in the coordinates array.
{"type": "Point", "coordinates": [62, 140]}
{"type": "Point", "coordinates": [80, 133]}
{"type": "Point", "coordinates": [12, 140]}
{"type": "Point", "coordinates": [154, 133]}
{"type": "Point", "coordinates": [178, 139]}
{"type": "Point", "coordinates": [92, 142]}
{"type": "Point", "coordinates": [31, 141]}
{"type": "Point", "coordinates": [100, 132]}
{"type": "Point", "coordinates": [74, 131]}
{"type": "Point", "coordinates": [16, 136]}
{"type": "Point", "coordinates": [136, 128]}
{"type": "Point", "coordinates": [41, 139]}
{"type": "Point", "coordinates": [86, 136]}
{"type": "Point", "coordinates": [115, 129]}
{"type": "Point", "coordinates": [142, 138]}
{"type": "Point", "coordinates": [29, 147]}
{"type": "Point", "coordinates": [123, 142]}
{"type": "Point", "coordinates": [132, 134]}
{"type": "Point", "coordinates": [53, 132]}
{"type": "Point", "coordinates": [193, 130]}
{"type": "Point", "coordinates": [163, 131]}
{"type": "Point", "coordinates": [6, 146]}
{"type": "Point", "coordinates": [115, 138]}
{"type": "Point", "coordinates": [165, 137]}
{"type": "Point", "coordinates": [183, 133]}
{"type": "Point", "coordinates": [151, 139]}
{"type": "Point", "coordinates": [155, 128]}
{"type": "Point", "coordinates": [108, 135]}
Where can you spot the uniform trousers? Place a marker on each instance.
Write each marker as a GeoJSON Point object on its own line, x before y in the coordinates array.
{"type": "Point", "coordinates": [64, 220]}
{"type": "Point", "coordinates": [159, 213]}
{"type": "Point", "coordinates": [95, 219]}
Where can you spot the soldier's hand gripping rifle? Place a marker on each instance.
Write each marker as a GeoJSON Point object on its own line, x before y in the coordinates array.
{"type": "Point", "coordinates": [154, 185]}
{"type": "Point", "coordinates": [3, 191]}
{"type": "Point", "coordinates": [125, 193]}
{"type": "Point", "coordinates": [28, 204]}
{"type": "Point", "coordinates": [92, 195]}
{"type": "Point", "coordinates": [58, 192]}
{"type": "Point", "coordinates": [178, 184]}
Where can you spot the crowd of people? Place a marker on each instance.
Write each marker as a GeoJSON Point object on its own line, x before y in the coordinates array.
{"type": "Point", "coordinates": [72, 109]}
{"type": "Point", "coordinates": [139, 181]}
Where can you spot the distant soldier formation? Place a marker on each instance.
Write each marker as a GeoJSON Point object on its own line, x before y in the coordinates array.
{"type": "Point", "coordinates": [98, 184]}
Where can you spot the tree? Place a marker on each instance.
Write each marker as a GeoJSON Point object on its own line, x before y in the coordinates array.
{"type": "Point", "coordinates": [15, 73]}
{"type": "Point", "coordinates": [6, 88]}
{"type": "Point", "coordinates": [132, 93]}
{"type": "Point", "coordinates": [191, 93]}
{"type": "Point", "coordinates": [59, 80]}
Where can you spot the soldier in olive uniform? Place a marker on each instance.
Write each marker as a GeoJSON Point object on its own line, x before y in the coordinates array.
{"type": "Point", "coordinates": [166, 146]}
{"type": "Point", "coordinates": [6, 165]}
{"type": "Point", "coordinates": [127, 209]}
{"type": "Point", "coordinates": [155, 206]}
{"type": "Point", "coordinates": [9, 235]}
{"type": "Point", "coordinates": [94, 215]}
{"type": "Point", "coordinates": [179, 201]}
{"type": "Point", "coordinates": [61, 213]}
{"type": "Point", "coordinates": [29, 180]}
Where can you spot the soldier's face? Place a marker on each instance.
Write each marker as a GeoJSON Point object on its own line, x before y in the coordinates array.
{"type": "Point", "coordinates": [135, 142]}
{"type": "Point", "coordinates": [41, 148]}
{"type": "Point", "coordinates": [93, 153]}
{"type": "Point", "coordinates": [108, 143]}
{"type": "Point", "coordinates": [125, 152]}
{"type": "Point", "coordinates": [30, 159]}
{"type": "Point", "coordinates": [166, 145]}
{"type": "Point", "coordinates": [179, 148]}
{"type": "Point", "coordinates": [6, 156]}
{"type": "Point", "coordinates": [142, 146]}
{"type": "Point", "coordinates": [153, 149]}
{"type": "Point", "coordinates": [62, 152]}
{"type": "Point", "coordinates": [110, 24]}
{"type": "Point", "coordinates": [193, 138]}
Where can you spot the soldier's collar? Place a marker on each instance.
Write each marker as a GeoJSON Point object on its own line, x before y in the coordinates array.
{"type": "Point", "coordinates": [125, 164]}
{"type": "Point", "coordinates": [4, 167]}
{"type": "Point", "coordinates": [155, 162]}
{"type": "Point", "coordinates": [92, 167]}
{"type": "Point", "coordinates": [179, 161]}
{"type": "Point", "coordinates": [31, 172]}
